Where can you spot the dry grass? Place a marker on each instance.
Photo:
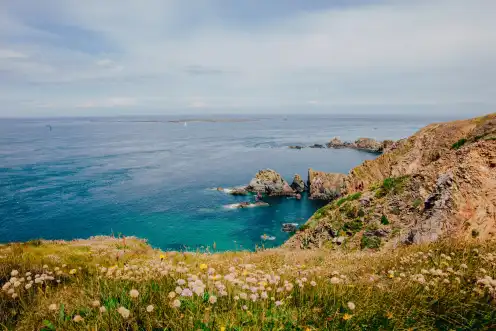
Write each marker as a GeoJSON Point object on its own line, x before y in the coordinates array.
{"type": "Point", "coordinates": [444, 286]}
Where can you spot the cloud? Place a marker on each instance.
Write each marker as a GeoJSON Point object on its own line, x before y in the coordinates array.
{"type": "Point", "coordinates": [330, 53]}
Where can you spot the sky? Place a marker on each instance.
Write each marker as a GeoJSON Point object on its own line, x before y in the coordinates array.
{"type": "Point", "coordinates": [131, 57]}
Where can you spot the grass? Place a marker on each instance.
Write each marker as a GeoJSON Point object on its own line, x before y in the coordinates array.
{"type": "Point", "coordinates": [443, 286]}
{"type": "Point", "coordinates": [391, 185]}
{"type": "Point", "coordinates": [349, 197]}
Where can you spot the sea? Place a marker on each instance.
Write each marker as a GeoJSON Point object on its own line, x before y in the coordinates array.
{"type": "Point", "coordinates": [68, 178]}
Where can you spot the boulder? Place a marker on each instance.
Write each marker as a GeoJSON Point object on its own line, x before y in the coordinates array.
{"type": "Point", "coordinates": [317, 146]}
{"type": "Point", "coordinates": [298, 184]}
{"type": "Point", "coordinates": [289, 227]}
{"type": "Point", "coordinates": [336, 143]}
{"type": "Point", "coordinates": [271, 183]}
{"type": "Point", "coordinates": [296, 147]}
{"type": "Point", "coordinates": [368, 144]}
{"type": "Point", "coordinates": [324, 185]}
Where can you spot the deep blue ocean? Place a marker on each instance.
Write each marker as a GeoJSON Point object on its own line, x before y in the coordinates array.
{"type": "Point", "coordinates": [153, 179]}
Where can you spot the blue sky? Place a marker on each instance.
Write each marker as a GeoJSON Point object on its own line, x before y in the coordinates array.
{"type": "Point", "coordinates": [86, 58]}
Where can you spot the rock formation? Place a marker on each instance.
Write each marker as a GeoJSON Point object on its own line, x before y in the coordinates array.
{"type": "Point", "coordinates": [439, 182]}
{"type": "Point", "coordinates": [298, 184]}
{"type": "Point", "coordinates": [324, 185]}
{"type": "Point", "coordinates": [271, 183]}
{"type": "Point", "coordinates": [364, 144]}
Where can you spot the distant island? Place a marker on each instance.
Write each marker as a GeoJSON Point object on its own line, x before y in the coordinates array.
{"type": "Point", "coordinates": [213, 120]}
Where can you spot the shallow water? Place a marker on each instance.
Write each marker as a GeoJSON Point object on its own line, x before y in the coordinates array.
{"type": "Point", "coordinates": [155, 179]}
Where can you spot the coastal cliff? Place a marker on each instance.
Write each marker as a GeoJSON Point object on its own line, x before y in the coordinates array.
{"type": "Point", "coordinates": [439, 182]}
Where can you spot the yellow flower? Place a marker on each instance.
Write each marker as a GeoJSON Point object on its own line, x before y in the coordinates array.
{"type": "Point", "coordinates": [73, 271]}
{"type": "Point", "coordinates": [203, 266]}
{"type": "Point", "coordinates": [347, 317]}
{"type": "Point", "coordinates": [245, 273]}
{"type": "Point", "coordinates": [162, 256]}
{"type": "Point", "coordinates": [391, 276]}
{"type": "Point", "coordinates": [222, 328]}
{"type": "Point", "coordinates": [389, 315]}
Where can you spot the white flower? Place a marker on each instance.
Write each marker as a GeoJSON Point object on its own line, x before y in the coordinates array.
{"type": "Point", "coordinates": [483, 270]}
{"type": "Point", "coordinates": [186, 293]}
{"type": "Point", "coordinates": [52, 307]}
{"type": "Point", "coordinates": [278, 303]}
{"type": "Point", "coordinates": [103, 309]}
{"type": "Point", "coordinates": [78, 319]}
{"type": "Point", "coordinates": [351, 305]}
{"type": "Point", "coordinates": [124, 312]}
{"type": "Point", "coordinates": [181, 282]}
{"type": "Point", "coordinates": [45, 266]}
{"type": "Point", "coordinates": [243, 296]}
{"type": "Point", "coordinates": [10, 291]}
{"type": "Point", "coordinates": [313, 283]}
{"type": "Point", "coordinates": [212, 299]}
{"type": "Point", "coordinates": [28, 274]}
{"type": "Point", "coordinates": [245, 307]}
{"type": "Point", "coordinates": [133, 294]}
{"type": "Point", "coordinates": [17, 284]}
{"type": "Point", "coordinates": [178, 289]}
{"type": "Point", "coordinates": [14, 273]}
{"type": "Point", "coordinates": [28, 286]}
{"type": "Point", "coordinates": [176, 303]}
{"type": "Point", "coordinates": [264, 295]}
{"type": "Point", "coordinates": [335, 280]}
{"type": "Point", "coordinates": [236, 298]}
{"type": "Point", "coordinates": [95, 304]}
{"type": "Point", "coordinates": [172, 295]}
{"type": "Point", "coordinates": [14, 296]}
{"type": "Point", "coordinates": [150, 308]}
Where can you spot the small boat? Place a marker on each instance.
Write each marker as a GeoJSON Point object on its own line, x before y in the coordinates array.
{"type": "Point", "coordinates": [185, 123]}
{"type": "Point", "coordinates": [266, 237]}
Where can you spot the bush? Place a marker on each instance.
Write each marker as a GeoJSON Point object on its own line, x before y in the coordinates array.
{"type": "Point", "coordinates": [459, 143]}
{"type": "Point", "coordinates": [384, 220]}
{"type": "Point", "coordinates": [370, 242]}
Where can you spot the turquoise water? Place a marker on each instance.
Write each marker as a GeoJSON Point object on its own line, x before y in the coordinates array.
{"type": "Point", "coordinates": [153, 179]}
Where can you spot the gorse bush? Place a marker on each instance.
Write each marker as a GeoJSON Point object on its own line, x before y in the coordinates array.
{"type": "Point", "coordinates": [443, 286]}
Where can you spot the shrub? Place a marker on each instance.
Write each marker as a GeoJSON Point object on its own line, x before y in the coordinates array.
{"type": "Point", "coordinates": [353, 227]}
{"type": "Point", "coordinates": [416, 203]}
{"type": "Point", "coordinates": [384, 220]}
{"type": "Point", "coordinates": [370, 242]}
{"type": "Point", "coordinates": [459, 143]}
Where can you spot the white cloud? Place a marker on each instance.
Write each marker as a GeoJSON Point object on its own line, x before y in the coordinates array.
{"type": "Point", "coordinates": [393, 52]}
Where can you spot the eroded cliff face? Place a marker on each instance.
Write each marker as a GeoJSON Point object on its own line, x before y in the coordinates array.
{"type": "Point", "coordinates": [325, 185]}
{"type": "Point", "coordinates": [439, 182]}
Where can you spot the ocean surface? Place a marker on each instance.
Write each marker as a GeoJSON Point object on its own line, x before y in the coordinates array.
{"type": "Point", "coordinates": [146, 177]}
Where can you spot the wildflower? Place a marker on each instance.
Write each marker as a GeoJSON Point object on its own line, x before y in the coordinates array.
{"type": "Point", "coordinates": [483, 270]}
{"type": "Point", "coordinates": [73, 271]}
{"type": "Point", "coordinates": [133, 293]}
{"type": "Point", "coordinates": [172, 295]}
{"type": "Point", "coordinates": [124, 312]}
{"type": "Point", "coordinates": [245, 307]}
{"type": "Point", "coordinates": [28, 274]}
{"type": "Point", "coordinates": [347, 317]}
{"type": "Point", "coordinates": [186, 293]}
{"type": "Point", "coordinates": [222, 328]}
{"type": "Point", "coordinates": [203, 266]}
{"type": "Point", "coordinates": [17, 284]}
{"type": "Point", "coordinates": [264, 295]}
{"type": "Point", "coordinates": [335, 280]}
{"type": "Point", "coordinates": [103, 309]}
{"type": "Point", "coordinates": [178, 290]}
{"type": "Point", "coordinates": [243, 296]}
{"type": "Point", "coordinates": [212, 299]}
{"type": "Point", "coordinates": [150, 308]}
{"type": "Point", "coordinates": [278, 303]}
{"type": "Point", "coordinates": [45, 266]}
{"type": "Point", "coordinates": [351, 305]}
{"type": "Point", "coordinates": [181, 282]}
{"type": "Point", "coordinates": [313, 283]}
{"type": "Point", "coordinates": [14, 273]}
{"type": "Point", "coordinates": [254, 297]}
{"type": "Point", "coordinates": [28, 286]}
{"type": "Point", "coordinates": [95, 304]}
{"type": "Point", "coordinates": [475, 250]}
{"type": "Point", "coordinates": [176, 303]}
{"type": "Point", "coordinates": [10, 291]}
{"type": "Point", "coordinates": [389, 315]}
{"type": "Point", "coordinates": [78, 319]}
{"type": "Point", "coordinates": [14, 296]}
{"type": "Point", "coordinates": [52, 307]}
{"type": "Point", "coordinates": [162, 256]}
{"type": "Point", "coordinates": [446, 281]}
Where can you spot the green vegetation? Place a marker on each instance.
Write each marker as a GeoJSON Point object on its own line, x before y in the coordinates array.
{"type": "Point", "coordinates": [352, 227]}
{"type": "Point", "coordinates": [459, 144]}
{"type": "Point", "coordinates": [384, 220]}
{"type": "Point", "coordinates": [349, 197]}
{"type": "Point", "coordinates": [393, 185]}
{"type": "Point", "coordinates": [371, 242]}
{"type": "Point", "coordinates": [416, 203]}
{"type": "Point", "coordinates": [320, 213]}
{"type": "Point", "coordinates": [146, 289]}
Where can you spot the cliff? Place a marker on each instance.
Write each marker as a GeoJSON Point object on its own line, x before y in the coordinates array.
{"type": "Point", "coordinates": [439, 182]}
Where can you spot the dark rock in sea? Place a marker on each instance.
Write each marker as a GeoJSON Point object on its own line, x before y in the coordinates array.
{"type": "Point", "coordinates": [317, 146]}
{"type": "Point", "coordinates": [298, 184]}
{"type": "Point", "coordinates": [239, 191]}
{"type": "Point", "coordinates": [296, 147]}
{"type": "Point", "coordinates": [337, 143]}
{"type": "Point", "coordinates": [271, 183]}
{"type": "Point", "coordinates": [289, 227]}
{"type": "Point", "coordinates": [324, 185]}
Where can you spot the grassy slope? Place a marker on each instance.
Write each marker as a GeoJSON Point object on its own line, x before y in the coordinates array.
{"type": "Point", "coordinates": [414, 288]}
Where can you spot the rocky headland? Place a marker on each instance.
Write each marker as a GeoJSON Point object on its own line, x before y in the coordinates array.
{"type": "Point", "coordinates": [362, 144]}
{"type": "Point", "coordinates": [439, 182]}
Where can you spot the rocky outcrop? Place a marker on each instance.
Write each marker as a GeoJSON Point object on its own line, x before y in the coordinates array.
{"type": "Point", "coordinates": [439, 182]}
{"type": "Point", "coordinates": [317, 146]}
{"type": "Point", "coordinates": [296, 147]}
{"type": "Point", "coordinates": [271, 183]}
{"type": "Point", "coordinates": [324, 185]}
{"type": "Point", "coordinates": [364, 144]}
{"type": "Point", "coordinates": [298, 184]}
